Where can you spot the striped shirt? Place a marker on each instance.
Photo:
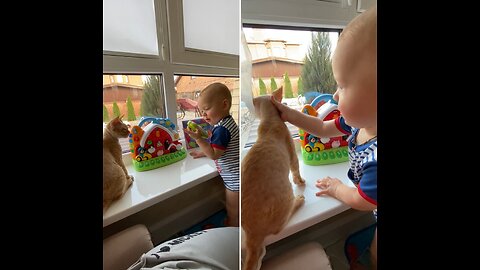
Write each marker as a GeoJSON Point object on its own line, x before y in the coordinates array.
{"type": "Point", "coordinates": [225, 137]}
{"type": "Point", "coordinates": [363, 162]}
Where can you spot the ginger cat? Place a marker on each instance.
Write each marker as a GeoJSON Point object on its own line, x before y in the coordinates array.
{"type": "Point", "coordinates": [267, 196]}
{"type": "Point", "coordinates": [116, 180]}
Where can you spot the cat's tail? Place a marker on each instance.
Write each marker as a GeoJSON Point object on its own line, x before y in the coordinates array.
{"type": "Point", "coordinates": [255, 252]}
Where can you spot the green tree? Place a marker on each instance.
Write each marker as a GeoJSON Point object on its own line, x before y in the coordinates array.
{"type": "Point", "coordinates": [263, 88]}
{"type": "Point", "coordinates": [273, 84]}
{"type": "Point", "coordinates": [288, 86]}
{"type": "Point", "coordinates": [153, 100]}
{"type": "Point", "coordinates": [130, 110]}
{"type": "Point", "coordinates": [317, 72]}
{"type": "Point", "coordinates": [106, 117]}
{"type": "Point", "coordinates": [300, 86]}
{"type": "Point", "coordinates": [116, 109]}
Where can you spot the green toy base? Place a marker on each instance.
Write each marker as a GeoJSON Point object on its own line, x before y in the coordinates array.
{"type": "Point", "coordinates": [159, 161]}
{"type": "Point", "coordinates": [324, 157]}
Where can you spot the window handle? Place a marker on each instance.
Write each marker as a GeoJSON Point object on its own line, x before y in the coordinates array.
{"type": "Point", "coordinates": [162, 52]}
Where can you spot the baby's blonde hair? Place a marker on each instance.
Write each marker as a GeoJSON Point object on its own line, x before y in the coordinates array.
{"type": "Point", "coordinates": [217, 91]}
{"type": "Point", "coordinates": [361, 34]}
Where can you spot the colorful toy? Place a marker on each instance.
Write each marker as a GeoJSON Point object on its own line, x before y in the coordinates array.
{"type": "Point", "coordinates": [155, 145]}
{"type": "Point", "coordinates": [194, 126]}
{"type": "Point", "coordinates": [321, 151]}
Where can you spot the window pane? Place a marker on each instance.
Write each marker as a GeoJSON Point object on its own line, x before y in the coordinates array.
{"type": "Point", "coordinates": [212, 29]}
{"type": "Point", "coordinates": [132, 96]}
{"type": "Point", "coordinates": [298, 60]}
{"type": "Point", "coordinates": [188, 89]}
{"type": "Point", "coordinates": [129, 26]}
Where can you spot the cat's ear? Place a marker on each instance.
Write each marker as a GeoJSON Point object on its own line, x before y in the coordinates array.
{"type": "Point", "coordinates": [116, 120]}
{"type": "Point", "coordinates": [278, 94]}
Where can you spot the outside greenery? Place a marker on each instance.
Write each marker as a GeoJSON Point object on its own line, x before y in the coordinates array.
{"type": "Point", "coordinates": [317, 74]}
{"type": "Point", "coordinates": [153, 98]}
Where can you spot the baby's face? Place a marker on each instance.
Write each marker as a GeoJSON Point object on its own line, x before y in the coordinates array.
{"type": "Point", "coordinates": [212, 110]}
{"type": "Point", "coordinates": [356, 74]}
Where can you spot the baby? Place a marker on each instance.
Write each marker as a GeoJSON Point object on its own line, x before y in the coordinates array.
{"type": "Point", "coordinates": [214, 103]}
{"type": "Point", "coordinates": [354, 66]}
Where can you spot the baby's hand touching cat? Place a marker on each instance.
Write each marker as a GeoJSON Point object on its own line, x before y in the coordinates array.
{"type": "Point", "coordinates": [329, 186]}
{"type": "Point", "coordinates": [283, 109]}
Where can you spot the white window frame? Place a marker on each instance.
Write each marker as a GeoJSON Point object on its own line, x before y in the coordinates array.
{"type": "Point", "coordinates": [195, 63]}
{"type": "Point", "coordinates": [301, 13]}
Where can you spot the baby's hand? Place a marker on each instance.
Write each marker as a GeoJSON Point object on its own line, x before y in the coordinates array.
{"type": "Point", "coordinates": [197, 154]}
{"type": "Point", "coordinates": [194, 134]}
{"type": "Point", "coordinates": [329, 186]}
{"type": "Point", "coordinates": [283, 109]}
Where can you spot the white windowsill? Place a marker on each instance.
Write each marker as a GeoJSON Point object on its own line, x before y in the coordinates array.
{"type": "Point", "coordinates": [153, 186]}
{"type": "Point", "coordinates": [315, 209]}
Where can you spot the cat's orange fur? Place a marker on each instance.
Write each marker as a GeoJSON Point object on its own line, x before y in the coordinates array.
{"type": "Point", "coordinates": [267, 196]}
{"type": "Point", "coordinates": [116, 179]}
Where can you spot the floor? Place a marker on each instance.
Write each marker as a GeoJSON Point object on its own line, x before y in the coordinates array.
{"type": "Point", "coordinates": [336, 255]}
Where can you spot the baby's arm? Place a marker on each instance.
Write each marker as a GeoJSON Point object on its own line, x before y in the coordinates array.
{"type": "Point", "coordinates": [349, 195]}
{"type": "Point", "coordinates": [197, 154]}
{"type": "Point", "coordinates": [207, 149]}
{"type": "Point", "coordinates": [311, 124]}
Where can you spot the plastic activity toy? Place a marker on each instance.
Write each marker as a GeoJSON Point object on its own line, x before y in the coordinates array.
{"type": "Point", "coordinates": [155, 145]}
{"type": "Point", "coordinates": [194, 126]}
{"type": "Point", "coordinates": [321, 151]}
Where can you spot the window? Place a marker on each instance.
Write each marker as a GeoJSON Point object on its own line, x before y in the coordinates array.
{"type": "Point", "coordinates": [209, 37]}
{"type": "Point", "coordinates": [286, 56]}
{"type": "Point", "coordinates": [188, 89]}
{"type": "Point", "coordinates": [140, 48]}
{"type": "Point", "coordinates": [142, 96]}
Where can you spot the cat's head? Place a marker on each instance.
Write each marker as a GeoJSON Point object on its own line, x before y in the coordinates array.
{"type": "Point", "coordinates": [261, 101]}
{"type": "Point", "coordinates": [117, 128]}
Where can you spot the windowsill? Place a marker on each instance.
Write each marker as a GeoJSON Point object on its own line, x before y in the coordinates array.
{"type": "Point", "coordinates": [315, 209]}
{"type": "Point", "coordinates": [153, 186]}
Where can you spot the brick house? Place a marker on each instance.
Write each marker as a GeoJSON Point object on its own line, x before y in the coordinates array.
{"type": "Point", "coordinates": [272, 58]}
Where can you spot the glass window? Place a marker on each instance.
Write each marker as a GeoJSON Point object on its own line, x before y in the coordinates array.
{"type": "Point", "coordinates": [297, 59]}
{"type": "Point", "coordinates": [140, 95]}
{"type": "Point", "coordinates": [146, 85]}
{"type": "Point", "coordinates": [129, 26]}
{"type": "Point", "coordinates": [188, 89]}
{"type": "Point", "coordinates": [200, 28]}
{"type": "Point", "coordinates": [204, 33]}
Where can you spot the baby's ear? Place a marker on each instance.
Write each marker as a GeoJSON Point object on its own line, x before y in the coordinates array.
{"type": "Point", "coordinates": [225, 103]}
{"type": "Point", "coordinates": [278, 94]}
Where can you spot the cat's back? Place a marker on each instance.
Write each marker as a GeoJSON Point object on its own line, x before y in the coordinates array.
{"type": "Point", "coordinates": [111, 146]}
{"type": "Point", "coordinates": [267, 193]}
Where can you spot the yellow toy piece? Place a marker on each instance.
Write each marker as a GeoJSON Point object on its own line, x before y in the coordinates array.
{"type": "Point", "coordinates": [194, 126]}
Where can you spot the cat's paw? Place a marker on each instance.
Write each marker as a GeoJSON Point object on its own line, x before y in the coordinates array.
{"type": "Point", "coordinates": [299, 200]}
{"type": "Point", "coordinates": [130, 178]}
{"type": "Point", "coordinates": [299, 181]}
{"type": "Point", "coordinates": [300, 197]}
